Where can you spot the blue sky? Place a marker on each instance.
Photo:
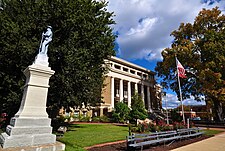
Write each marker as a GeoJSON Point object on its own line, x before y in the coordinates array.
{"type": "Point", "coordinates": [144, 26]}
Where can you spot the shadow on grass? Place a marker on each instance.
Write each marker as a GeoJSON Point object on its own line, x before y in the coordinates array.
{"type": "Point", "coordinates": [73, 127]}
{"type": "Point", "coordinates": [125, 130]}
{"type": "Point", "coordinates": [119, 124]}
{"type": "Point", "coordinates": [76, 126]}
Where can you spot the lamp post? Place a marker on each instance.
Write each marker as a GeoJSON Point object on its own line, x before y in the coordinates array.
{"type": "Point", "coordinates": [167, 120]}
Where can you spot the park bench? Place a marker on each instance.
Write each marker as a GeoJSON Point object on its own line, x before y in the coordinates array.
{"type": "Point", "coordinates": [188, 133]}
{"type": "Point", "coordinates": [140, 140]}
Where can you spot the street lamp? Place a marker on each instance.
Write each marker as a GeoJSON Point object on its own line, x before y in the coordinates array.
{"type": "Point", "coordinates": [167, 120]}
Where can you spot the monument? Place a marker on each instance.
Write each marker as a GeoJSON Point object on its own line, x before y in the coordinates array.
{"type": "Point", "coordinates": [30, 127]}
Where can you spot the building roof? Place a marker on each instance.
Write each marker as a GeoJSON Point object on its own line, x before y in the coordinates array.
{"type": "Point", "coordinates": [132, 65]}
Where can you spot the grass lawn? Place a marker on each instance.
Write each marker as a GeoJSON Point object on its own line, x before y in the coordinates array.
{"type": "Point", "coordinates": [212, 132]}
{"type": "Point", "coordinates": [79, 136]}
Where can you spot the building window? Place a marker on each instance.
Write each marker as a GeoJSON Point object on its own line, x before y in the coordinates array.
{"type": "Point", "coordinates": [144, 76]}
{"type": "Point", "coordinates": [139, 74]}
{"type": "Point", "coordinates": [125, 94]}
{"type": "Point", "coordinates": [151, 76]}
{"type": "Point", "coordinates": [117, 67]}
{"type": "Point", "coordinates": [117, 93]}
{"type": "Point", "coordinates": [132, 71]}
{"type": "Point", "coordinates": [125, 69]}
{"type": "Point", "coordinates": [117, 88]}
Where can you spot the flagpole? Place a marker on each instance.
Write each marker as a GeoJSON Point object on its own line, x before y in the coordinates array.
{"type": "Point", "coordinates": [178, 78]}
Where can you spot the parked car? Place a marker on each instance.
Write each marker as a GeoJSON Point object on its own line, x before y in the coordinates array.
{"type": "Point", "coordinates": [196, 119]}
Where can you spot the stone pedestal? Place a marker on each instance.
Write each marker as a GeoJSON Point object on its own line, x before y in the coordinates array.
{"type": "Point", "coordinates": [31, 126]}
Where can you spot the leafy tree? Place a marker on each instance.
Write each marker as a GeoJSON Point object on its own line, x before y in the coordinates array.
{"type": "Point", "coordinates": [82, 39]}
{"type": "Point", "coordinates": [200, 48]}
{"type": "Point", "coordinates": [121, 112]}
{"type": "Point", "coordinates": [138, 110]}
{"type": "Point", "coordinates": [175, 116]}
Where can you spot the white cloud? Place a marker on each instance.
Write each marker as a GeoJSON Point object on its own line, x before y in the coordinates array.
{"type": "Point", "coordinates": [144, 26]}
{"type": "Point", "coordinates": [173, 102]}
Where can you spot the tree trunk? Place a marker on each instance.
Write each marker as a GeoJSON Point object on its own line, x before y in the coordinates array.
{"type": "Point", "coordinates": [218, 110]}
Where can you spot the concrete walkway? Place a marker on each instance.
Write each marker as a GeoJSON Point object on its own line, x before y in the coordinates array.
{"type": "Point", "coordinates": [216, 143]}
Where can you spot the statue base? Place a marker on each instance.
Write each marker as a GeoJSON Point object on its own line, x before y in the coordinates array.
{"type": "Point", "coordinates": [47, 147]}
{"type": "Point", "coordinates": [41, 59]}
{"type": "Point", "coordinates": [31, 126]}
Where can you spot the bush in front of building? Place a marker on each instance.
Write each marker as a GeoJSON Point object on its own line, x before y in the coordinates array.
{"type": "Point", "coordinates": [175, 116]}
{"type": "Point", "coordinates": [95, 119]}
{"type": "Point", "coordinates": [121, 113]}
{"type": "Point", "coordinates": [150, 127]}
{"type": "Point", "coordinates": [178, 125]}
{"type": "Point", "coordinates": [103, 119]}
{"type": "Point", "coordinates": [138, 110]}
{"type": "Point", "coordinates": [163, 126]}
{"type": "Point", "coordinates": [85, 119]}
{"type": "Point", "coordinates": [144, 127]}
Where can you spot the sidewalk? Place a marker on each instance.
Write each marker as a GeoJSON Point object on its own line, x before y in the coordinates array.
{"type": "Point", "coordinates": [216, 143]}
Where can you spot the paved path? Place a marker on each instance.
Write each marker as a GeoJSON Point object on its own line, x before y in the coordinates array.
{"type": "Point", "coordinates": [104, 144]}
{"type": "Point", "coordinates": [216, 143]}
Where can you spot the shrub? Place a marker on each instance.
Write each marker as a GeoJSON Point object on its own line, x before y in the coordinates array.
{"type": "Point", "coordinates": [175, 116]}
{"type": "Point", "coordinates": [163, 126]}
{"type": "Point", "coordinates": [138, 110]}
{"type": "Point", "coordinates": [153, 128]}
{"type": "Point", "coordinates": [96, 119]}
{"type": "Point", "coordinates": [178, 125]}
{"type": "Point", "coordinates": [150, 127]}
{"type": "Point", "coordinates": [121, 113]}
{"type": "Point", "coordinates": [104, 119]}
{"type": "Point", "coordinates": [134, 129]}
{"type": "Point", "coordinates": [2, 120]}
{"type": "Point", "coordinates": [191, 124]}
{"type": "Point", "coordinates": [66, 118]}
{"type": "Point", "coordinates": [85, 119]}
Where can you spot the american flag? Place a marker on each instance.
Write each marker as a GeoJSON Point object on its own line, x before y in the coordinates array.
{"type": "Point", "coordinates": [180, 69]}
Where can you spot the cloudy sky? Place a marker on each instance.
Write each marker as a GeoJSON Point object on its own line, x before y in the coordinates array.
{"type": "Point", "coordinates": [144, 26]}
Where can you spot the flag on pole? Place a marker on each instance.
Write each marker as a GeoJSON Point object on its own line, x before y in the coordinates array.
{"type": "Point", "coordinates": [180, 69]}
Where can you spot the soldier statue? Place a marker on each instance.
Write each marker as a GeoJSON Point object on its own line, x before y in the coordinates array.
{"type": "Point", "coordinates": [46, 39]}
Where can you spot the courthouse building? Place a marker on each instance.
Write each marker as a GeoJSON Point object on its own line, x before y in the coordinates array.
{"type": "Point", "coordinates": [121, 83]}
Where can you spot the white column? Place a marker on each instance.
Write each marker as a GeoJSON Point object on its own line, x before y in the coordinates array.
{"type": "Point", "coordinates": [112, 92]}
{"type": "Point", "coordinates": [142, 92]}
{"type": "Point", "coordinates": [148, 99]}
{"type": "Point", "coordinates": [121, 90]}
{"type": "Point", "coordinates": [129, 93]}
{"type": "Point", "coordinates": [136, 88]}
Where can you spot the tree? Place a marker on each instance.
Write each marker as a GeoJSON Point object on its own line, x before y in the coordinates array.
{"type": "Point", "coordinates": [175, 116]}
{"type": "Point", "coordinates": [82, 39]}
{"type": "Point", "coordinates": [200, 48]}
{"type": "Point", "coordinates": [138, 110]}
{"type": "Point", "coordinates": [121, 112]}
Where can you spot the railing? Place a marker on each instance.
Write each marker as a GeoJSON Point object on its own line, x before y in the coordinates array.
{"type": "Point", "coordinates": [213, 124]}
